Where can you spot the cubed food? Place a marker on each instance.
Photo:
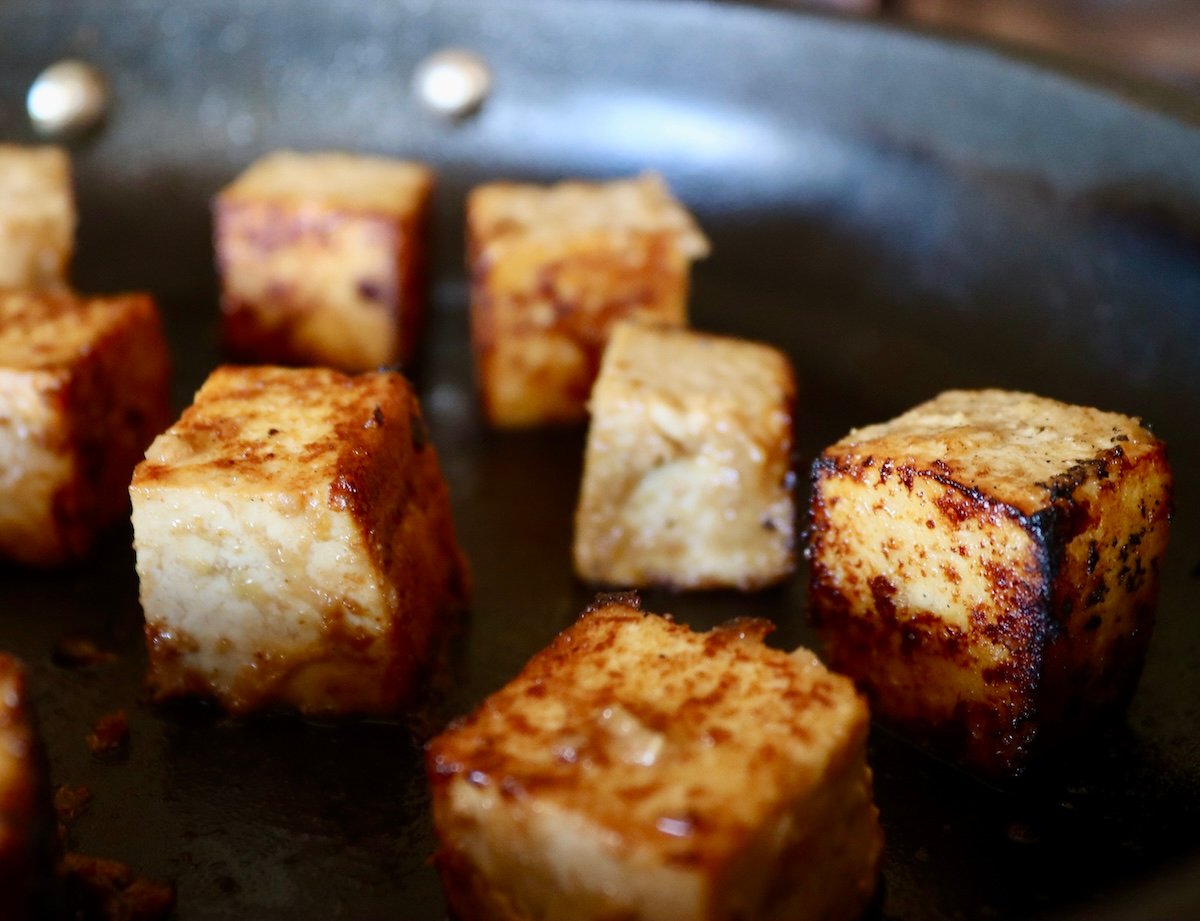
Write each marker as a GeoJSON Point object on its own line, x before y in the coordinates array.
{"type": "Point", "coordinates": [986, 567]}
{"type": "Point", "coordinates": [37, 216]}
{"type": "Point", "coordinates": [552, 270]}
{"type": "Point", "coordinates": [322, 260]}
{"type": "Point", "coordinates": [687, 477]}
{"type": "Point", "coordinates": [26, 823]}
{"type": "Point", "coordinates": [636, 769]}
{"type": "Point", "coordinates": [84, 387]}
{"type": "Point", "coordinates": [295, 544]}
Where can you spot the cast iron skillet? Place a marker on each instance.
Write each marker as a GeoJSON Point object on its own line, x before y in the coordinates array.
{"type": "Point", "coordinates": [901, 214]}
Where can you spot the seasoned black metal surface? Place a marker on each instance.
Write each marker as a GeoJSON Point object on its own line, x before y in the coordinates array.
{"type": "Point", "coordinates": [899, 214]}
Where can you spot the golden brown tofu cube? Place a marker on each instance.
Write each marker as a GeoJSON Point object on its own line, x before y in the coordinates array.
{"type": "Point", "coordinates": [37, 216]}
{"type": "Point", "coordinates": [636, 769]}
{"type": "Point", "coordinates": [84, 387]}
{"type": "Point", "coordinates": [294, 543]}
{"type": "Point", "coordinates": [322, 260]}
{"type": "Point", "coordinates": [26, 823]}
{"type": "Point", "coordinates": [552, 270]}
{"type": "Point", "coordinates": [986, 567]}
{"type": "Point", "coordinates": [687, 477]}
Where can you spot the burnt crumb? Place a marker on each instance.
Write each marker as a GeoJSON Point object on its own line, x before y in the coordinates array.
{"type": "Point", "coordinates": [1093, 623]}
{"type": "Point", "coordinates": [78, 652]}
{"type": "Point", "coordinates": [71, 802]}
{"type": "Point", "coordinates": [107, 890]}
{"type": "Point", "coordinates": [272, 432]}
{"type": "Point", "coordinates": [418, 432]}
{"type": "Point", "coordinates": [1093, 557]}
{"type": "Point", "coordinates": [769, 525]}
{"type": "Point", "coordinates": [110, 734]}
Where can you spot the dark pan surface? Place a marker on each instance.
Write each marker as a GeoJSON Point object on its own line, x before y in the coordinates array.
{"type": "Point", "coordinates": [900, 214]}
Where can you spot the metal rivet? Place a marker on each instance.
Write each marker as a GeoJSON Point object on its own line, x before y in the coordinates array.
{"type": "Point", "coordinates": [452, 82]}
{"type": "Point", "coordinates": [67, 98]}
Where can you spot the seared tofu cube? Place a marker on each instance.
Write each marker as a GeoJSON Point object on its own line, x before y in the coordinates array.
{"type": "Point", "coordinates": [322, 260]}
{"type": "Point", "coordinates": [687, 478]}
{"type": "Point", "coordinates": [636, 769]}
{"type": "Point", "coordinates": [294, 543]}
{"type": "Point", "coordinates": [84, 387]}
{"type": "Point", "coordinates": [26, 822]}
{"type": "Point", "coordinates": [986, 567]}
{"type": "Point", "coordinates": [552, 270]}
{"type": "Point", "coordinates": [37, 216]}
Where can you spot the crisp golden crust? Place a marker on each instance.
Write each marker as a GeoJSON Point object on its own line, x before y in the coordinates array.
{"type": "Point", "coordinates": [37, 216]}
{"type": "Point", "coordinates": [553, 269]}
{"type": "Point", "coordinates": [643, 770]}
{"type": "Point", "coordinates": [991, 600]}
{"type": "Point", "coordinates": [687, 479]}
{"type": "Point", "coordinates": [25, 825]}
{"type": "Point", "coordinates": [322, 260]}
{"type": "Point", "coordinates": [84, 383]}
{"type": "Point", "coordinates": [309, 511]}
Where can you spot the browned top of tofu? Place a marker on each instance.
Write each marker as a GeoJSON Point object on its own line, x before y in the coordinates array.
{"type": "Point", "coordinates": [298, 431]}
{"type": "Point", "coordinates": [1015, 448]}
{"type": "Point", "coordinates": [684, 741]}
{"type": "Point", "coordinates": [44, 331]}
{"type": "Point", "coordinates": [696, 371]}
{"type": "Point", "coordinates": [686, 362]}
{"type": "Point", "coordinates": [34, 181]}
{"type": "Point", "coordinates": [333, 181]}
{"type": "Point", "coordinates": [501, 210]}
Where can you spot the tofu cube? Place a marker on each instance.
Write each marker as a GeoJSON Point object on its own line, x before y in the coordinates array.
{"type": "Point", "coordinates": [986, 566]}
{"type": "Point", "coordinates": [84, 387]}
{"type": "Point", "coordinates": [552, 270]}
{"type": "Point", "coordinates": [295, 544]}
{"type": "Point", "coordinates": [636, 769]}
{"type": "Point", "coordinates": [26, 823]}
{"type": "Point", "coordinates": [37, 216]}
{"type": "Point", "coordinates": [322, 260]}
{"type": "Point", "coordinates": [687, 478]}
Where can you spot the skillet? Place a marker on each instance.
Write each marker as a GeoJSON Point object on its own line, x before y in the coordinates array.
{"type": "Point", "coordinates": [902, 214]}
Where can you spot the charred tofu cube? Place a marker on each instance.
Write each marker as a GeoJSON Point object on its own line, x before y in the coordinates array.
{"type": "Point", "coordinates": [84, 387]}
{"type": "Point", "coordinates": [26, 822]}
{"type": "Point", "coordinates": [687, 477]}
{"type": "Point", "coordinates": [294, 543]}
{"type": "Point", "coordinates": [552, 270]}
{"type": "Point", "coordinates": [636, 769]}
{"type": "Point", "coordinates": [322, 260]}
{"type": "Point", "coordinates": [986, 567]}
{"type": "Point", "coordinates": [37, 216]}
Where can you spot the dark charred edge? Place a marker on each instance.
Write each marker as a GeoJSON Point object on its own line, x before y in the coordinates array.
{"type": "Point", "coordinates": [828, 464]}
{"type": "Point", "coordinates": [944, 741]}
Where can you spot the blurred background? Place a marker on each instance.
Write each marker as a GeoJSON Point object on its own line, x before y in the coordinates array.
{"type": "Point", "coordinates": [1154, 39]}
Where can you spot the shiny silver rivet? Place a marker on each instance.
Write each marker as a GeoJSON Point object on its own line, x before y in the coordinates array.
{"type": "Point", "coordinates": [67, 98]}
{"type": "Point", "coordinates": [453, 82]}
